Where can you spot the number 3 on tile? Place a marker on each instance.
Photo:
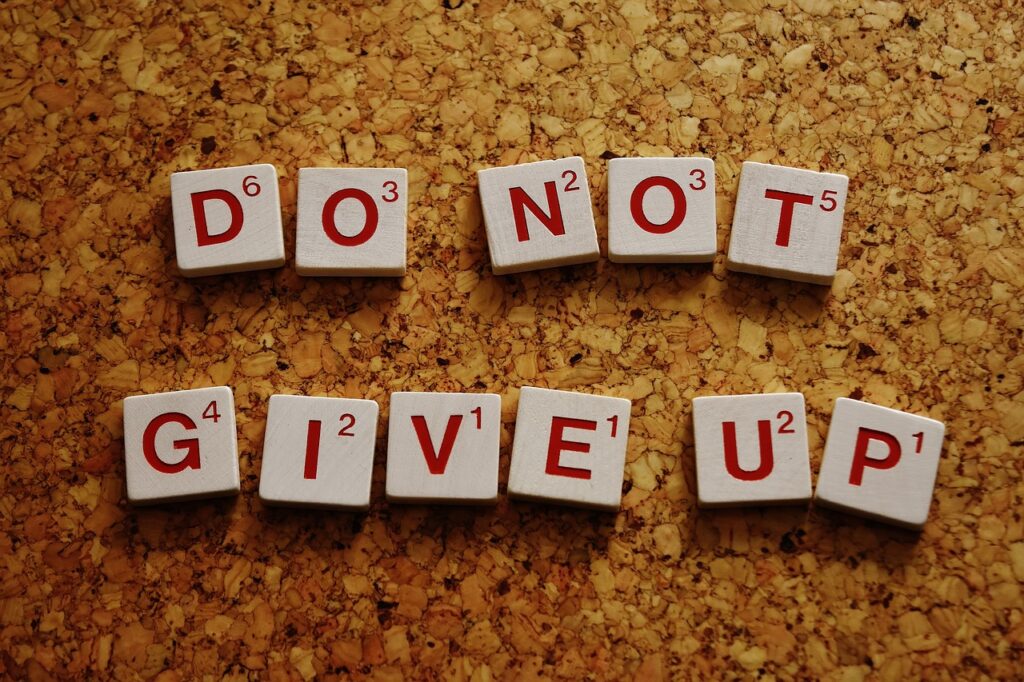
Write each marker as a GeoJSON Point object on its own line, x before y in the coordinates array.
{"type": "Point", "coordinates": [699, 182]}
{"type": "Point", "coordinates": [391, 187]}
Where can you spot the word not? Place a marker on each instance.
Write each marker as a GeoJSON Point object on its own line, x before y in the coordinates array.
{"type": "Point", "coordinates": [352, 221]}
{"type": "Point", "coordinates": [569, 448]}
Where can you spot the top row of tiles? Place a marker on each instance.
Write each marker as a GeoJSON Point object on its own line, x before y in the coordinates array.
{"type": "Point", "coordinates": [352, 221]}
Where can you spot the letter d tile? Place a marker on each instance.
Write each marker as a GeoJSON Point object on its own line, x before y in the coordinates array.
{"type": "Point", "coordinates": [227, 220]}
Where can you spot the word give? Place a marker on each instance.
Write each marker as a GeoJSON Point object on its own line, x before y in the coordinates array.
{"type": "Point", "coordinates": [569, 448]}
{"type": "Point", "coordinates": [352, 221]}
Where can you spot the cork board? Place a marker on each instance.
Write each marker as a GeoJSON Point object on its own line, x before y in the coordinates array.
{"type": "Point", "coordinates": [918, 104]}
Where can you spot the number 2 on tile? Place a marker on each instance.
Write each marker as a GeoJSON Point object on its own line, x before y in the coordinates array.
{"type": "Point", "coordinates": [787, 426]}
{"type": "Point", "coordinates": [250, 186]}
{"type": "Point", "coordinates": [347, 422]}
{"type": "Point", "coordinates": [569, 186]}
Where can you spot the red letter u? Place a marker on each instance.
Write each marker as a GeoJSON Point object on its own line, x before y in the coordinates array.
{"type": "Point", "coordinates": [732, 460]}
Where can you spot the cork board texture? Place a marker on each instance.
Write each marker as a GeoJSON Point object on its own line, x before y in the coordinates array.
{"type": "Point", "coordinates": [100, 102]}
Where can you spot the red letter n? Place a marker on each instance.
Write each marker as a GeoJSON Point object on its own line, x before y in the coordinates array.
{"type": "Point", "coordinates": [521, 201]}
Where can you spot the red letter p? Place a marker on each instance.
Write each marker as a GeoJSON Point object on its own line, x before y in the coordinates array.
{"type": "Point", "coordinates": [860, 453]}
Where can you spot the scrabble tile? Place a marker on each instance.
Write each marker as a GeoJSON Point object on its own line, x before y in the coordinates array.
{"type": "Point", "coordinates": [751, 449]}
{"type": "Point", "coordinates": [880, 463]}
{"type": "Point", "coordinates": [538, 215]}
{"type": "Point", "coordinates": [180, 445]}
{"type": "Point", "coordinates": [569, 448]}
{"type": "Point", "coordinates": [351, 221]}
{"type": "Point", "coordinates": [443, 447]}
{"type": "Point", "coordinates": [318, 452]}
{"type": "Point", "coordinates": [227, 220]}
{"type": "Point", "coordinates": [788, 223]}
{"type": "Point", "coordinates": [661, 210]}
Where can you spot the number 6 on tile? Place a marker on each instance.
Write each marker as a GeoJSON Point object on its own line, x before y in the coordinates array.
{"type": "Point", "coordinates": [227, 220]}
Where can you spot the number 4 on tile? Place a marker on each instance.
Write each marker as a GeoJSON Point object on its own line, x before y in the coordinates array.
{"type": "Point", "coordinates": [180, 445]}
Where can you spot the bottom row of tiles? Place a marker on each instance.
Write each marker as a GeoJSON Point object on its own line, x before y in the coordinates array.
{"type": "Point", "coordinates": [569, 448]}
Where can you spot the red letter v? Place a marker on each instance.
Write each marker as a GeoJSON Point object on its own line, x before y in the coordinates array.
{"type": "Point", "coordinates": [437, 462]}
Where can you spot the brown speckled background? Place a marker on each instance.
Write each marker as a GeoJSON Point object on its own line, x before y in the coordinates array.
{"type": "Point", "coordinates": [919, 105]}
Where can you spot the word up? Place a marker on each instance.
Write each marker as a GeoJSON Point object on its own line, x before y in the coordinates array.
{"type": "Point", "coordinates": [353, 221]}
{"type": "Point", "coordinates": [569, 448]}
{"type": "Point", "coordinates": [879, 462]}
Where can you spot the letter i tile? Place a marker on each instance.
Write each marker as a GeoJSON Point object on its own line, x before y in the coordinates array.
{"type": "Point", "coordinates": [751, 450]}
{"type": "Point", "coordinates": [318, 452]}
{"type": "Point", "coordinates": [880, 463]}
{"type": "Point", "coordinates": [443, 448]}
{"type": "Point", "coordinates": [227, 220]}
{"type": "Point", "coordinates": [569, 448]}
{"type": "Point", "coordinates": [180, 445]}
